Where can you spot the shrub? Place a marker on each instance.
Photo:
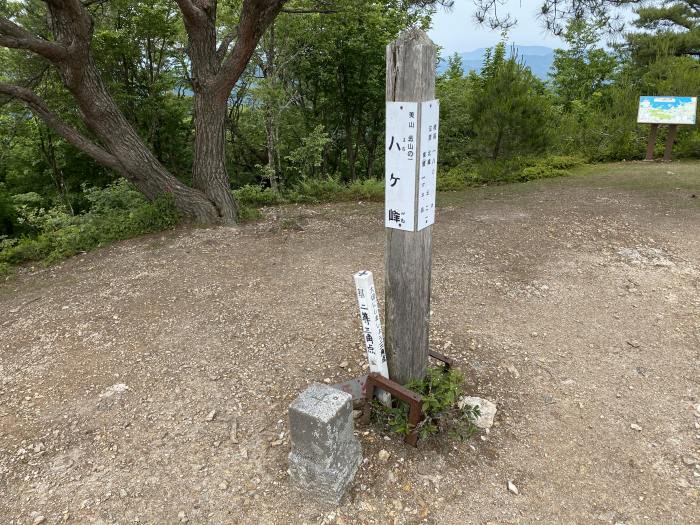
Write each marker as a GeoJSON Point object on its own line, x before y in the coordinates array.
{"type": "Point", "coordinates": [366, 190]}
{"type": "Point", "coordinates": [118, 212]}
{"type": "Point", "coordinates": [250, 195]}
{"type": "Point", "coordinates": [440, 391]}
{"type": "Point", "coordinates": [456, 178]}
{"type": "Point", "coordinates": [120, 195]}
{"type": "Point", "coordinates": [8, 212]}
{"type": "Point", "coordinates": [318, 190]}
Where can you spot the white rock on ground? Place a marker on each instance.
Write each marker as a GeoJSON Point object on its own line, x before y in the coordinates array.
{"type": "Point", "coordinates": [118, 388]}
{"type": "Point", "coordinates": [486, 407]}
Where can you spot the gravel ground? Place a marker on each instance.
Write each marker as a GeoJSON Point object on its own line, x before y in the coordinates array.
{"type": "Point", "coordinates": [148, 381]}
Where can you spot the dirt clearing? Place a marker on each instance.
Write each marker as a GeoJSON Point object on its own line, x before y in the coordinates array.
{"type": "Point", "coordinates": [148, 382]}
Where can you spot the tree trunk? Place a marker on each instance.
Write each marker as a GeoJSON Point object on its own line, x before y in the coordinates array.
{"type": "Point", "coordinates": [209, 173]}
{"type": "Point", "coordinates": [134, 160]}
{"type": "Point", "coordinates": [215, 72]}
{"type": "Point", "coordinates": [138, 164]}
{"type": "Point", "coordinates": [271, 133]}
{"type": "Point", "coordinates": [497, 146]}
{"type": "Point", "coordinates": [350, 147]}
{"type": "Point", "coordinates": [270, 73]}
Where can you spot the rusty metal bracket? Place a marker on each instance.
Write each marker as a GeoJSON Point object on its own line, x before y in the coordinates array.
{"type": "Point", "coordinates": [415, 402]}
{"type": "Point", "coordinates": [448, 361]}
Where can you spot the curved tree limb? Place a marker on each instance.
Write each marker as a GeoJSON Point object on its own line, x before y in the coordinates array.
{"type": "Point", "coordinates": [256, 16]}
{"type": "Point", "coordinates": [39, 108]}
{"type": "Point", "coordinates": [16, 37]}
{"type": "Point", "coordinates": [191, 12]}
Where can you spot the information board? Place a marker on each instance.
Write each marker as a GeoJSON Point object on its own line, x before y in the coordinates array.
{"type": "Point", "coordinates": [667, 110]}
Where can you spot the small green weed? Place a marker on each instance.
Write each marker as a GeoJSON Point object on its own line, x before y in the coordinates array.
{"type": "Point", "coordinates": [440, 390]}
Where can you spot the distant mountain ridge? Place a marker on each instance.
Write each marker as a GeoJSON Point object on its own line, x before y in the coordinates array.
{"type": "Point", "coordinates": [538, 58]}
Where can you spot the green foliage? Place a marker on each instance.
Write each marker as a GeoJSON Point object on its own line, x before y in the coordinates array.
{"type": "Point", "coordinates": [521, 169]}
{"type": "Point", "coordinates": [118, 212]}
{"type": "Point", "coordinates": [456, 124]}
{"type": "Point", "coordinates": [581, 70]}
{"type": "Point", "coordinates": [8, 212]}
{"type": "Point", "coordinates": [511, 110]}
{"type": "Point", "coordinates": [333, 190]}
{"type": "Point", "coordinates": [670, 29]}
{"type": "Point", "coordinates": [250, 195]}
{"type": "Point", "coordinates": [307, 158]}
{"type": "Point", "coordinates": [440, 391]}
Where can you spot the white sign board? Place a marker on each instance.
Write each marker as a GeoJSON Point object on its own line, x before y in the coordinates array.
{"type": "Point", "coordinates": [667, 110]}
{"type": "Point", "coordinates": [372, 328]}
{"type": "Point", "coordinates": [411, 164]}
{"type": "Point", "coordinates": [427, 171]}
{"type": "Point", "coordinates": [400, 164]}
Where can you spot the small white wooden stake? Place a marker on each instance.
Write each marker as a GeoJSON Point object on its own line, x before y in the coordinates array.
{"type": "Point", "coordinates": [372, 327]}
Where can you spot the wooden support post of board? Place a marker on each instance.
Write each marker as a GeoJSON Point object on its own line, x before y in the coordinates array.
{"type": "Point", "coordinates": [670, 139]}
{"type": "Point", "coordinates": [651, 144]}
{"type": "Point", "coordinates": [410, 77]}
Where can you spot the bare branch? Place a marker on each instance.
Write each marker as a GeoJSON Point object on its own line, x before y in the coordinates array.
{"type": "Point", "coordinates": [39, 108]}
{"type": "Point", "coordinates": [16, 37]}
{"type": "Point", "coordinates": [554, 14]}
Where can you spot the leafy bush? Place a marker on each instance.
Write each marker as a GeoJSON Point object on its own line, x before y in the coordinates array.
{"type": "Point", "coordinates": [318, 190]}
{"type": "Point", "coordinates": [8, 212]}
{"type": "Point", "coordinates": [308, 157]}
{"type": "Point", "coordinates": [366, 190]}
{"type": "Point", "coordinates": [251, 195]}
{"type": "Point", "coordinates": [120, 195]}
{"type": "Point", "coordinates": [332, 190]}
{"type": "Point", "coordinates": [507, 170]}
{"type": "Point", "coordinates": [688, 145]}
{"type": "Point", "coordinates": [118, 212]}
{"type": "Point", "coordinates": [440, 390]}
{"type": "Point", "coordinates": [456, 178]}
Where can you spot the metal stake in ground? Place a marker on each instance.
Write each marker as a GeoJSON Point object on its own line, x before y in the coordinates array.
{"type": "Point", "coordinates": [410, 78]}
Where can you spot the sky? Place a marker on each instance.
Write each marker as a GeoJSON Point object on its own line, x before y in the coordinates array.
{"type": "Point", "coordinates": [456, 30]}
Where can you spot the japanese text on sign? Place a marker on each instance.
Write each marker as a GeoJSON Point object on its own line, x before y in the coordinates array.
{"type": "Point", "coordinates": [411, 164]}
{"type": "Point", "coordinates": [427, 172]}
{"type": "Point", "coordinates": [401, 155]}
{"type": "Point", "coordinates": [372, 327]}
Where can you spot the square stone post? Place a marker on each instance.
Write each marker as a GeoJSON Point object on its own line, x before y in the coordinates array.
{"type": "Point", "coordinates": [325, 453]}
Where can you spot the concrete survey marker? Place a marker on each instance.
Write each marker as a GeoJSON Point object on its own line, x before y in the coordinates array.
{"type": "Point", "coordinates": [325, 453]}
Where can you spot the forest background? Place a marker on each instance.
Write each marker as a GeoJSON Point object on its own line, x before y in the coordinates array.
{"type": "Point", "coordinates": [304, 122]}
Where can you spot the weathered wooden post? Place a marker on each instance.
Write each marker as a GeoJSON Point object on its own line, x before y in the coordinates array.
{"type": "Point", "coordinates": [410, 79]}
{"type": "Point", "coordinates": [651, 143]}
{"type": "Point", "coordinates": [670, 139]}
